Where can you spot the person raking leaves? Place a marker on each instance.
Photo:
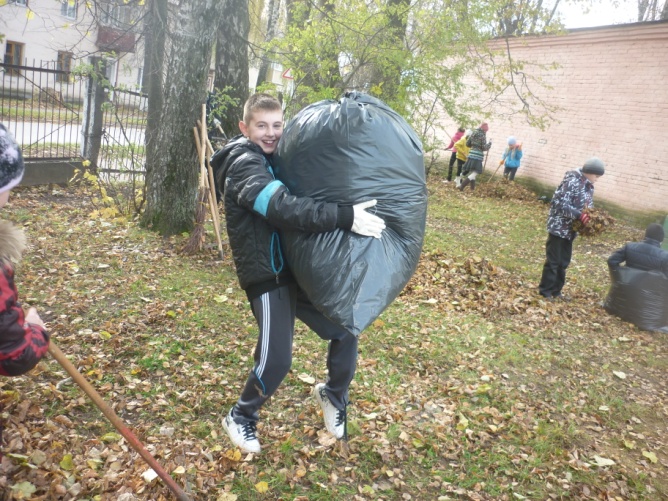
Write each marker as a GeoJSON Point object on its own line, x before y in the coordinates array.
{"type": "Point", "coordinates": [257, 206]}
{"type": "Point", "coordinates": [23, 336]}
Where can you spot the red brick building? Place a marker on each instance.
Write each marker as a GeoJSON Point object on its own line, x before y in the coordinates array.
{"type": "Point", "coordinates": [611, 87]}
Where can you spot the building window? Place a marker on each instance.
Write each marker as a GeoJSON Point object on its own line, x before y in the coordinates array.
{"type": "Point", "coordinates": [64, 64]}
{"type": "Point", "coordinates": [140, 77]}
{"type": "Point", "coordinates": [13, 55]}
{"type": "Point", "coordinates": [112, 14]}
{"type": "Point", "coordinates": [68, 8]}
{"type": "Point", "coordinates": [111, 71]}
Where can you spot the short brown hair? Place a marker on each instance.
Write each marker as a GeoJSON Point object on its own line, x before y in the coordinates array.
{"type": "Point", "coordinates": [260, 101]}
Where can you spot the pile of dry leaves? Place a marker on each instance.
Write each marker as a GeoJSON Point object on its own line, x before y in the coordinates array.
{"type": "Point", "coordinates": [505, 190]}
{"type": "Point", "coordinates": [599, 221]}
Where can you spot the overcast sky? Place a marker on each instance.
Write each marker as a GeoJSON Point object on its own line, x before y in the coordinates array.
{"type": "Point", "coordinates": [602, 13]}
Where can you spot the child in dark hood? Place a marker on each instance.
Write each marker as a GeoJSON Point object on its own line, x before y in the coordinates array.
{"type": "Point", "coordinates": [572, 197]}
{"type": "Point", "coordinates": [23, 338]}
{"type": "Point", "coordinates": [646, 255]}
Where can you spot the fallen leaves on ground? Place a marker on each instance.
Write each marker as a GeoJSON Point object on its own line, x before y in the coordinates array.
{"type": "Point", "coordinates": [471, 386]}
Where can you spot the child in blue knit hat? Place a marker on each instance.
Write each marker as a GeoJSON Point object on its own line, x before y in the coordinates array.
{"type": "Point", "coordinates": [511, 158]}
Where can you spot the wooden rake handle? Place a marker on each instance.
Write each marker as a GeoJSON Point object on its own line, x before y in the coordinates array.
{"type": "Point", "coordinates": [116, 421]}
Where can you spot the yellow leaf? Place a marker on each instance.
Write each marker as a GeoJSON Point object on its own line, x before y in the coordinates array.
{"type": "Point", "coordinates": [650, 455]}
{"type": "Point", "coordinates": [180, 470]}
{"type": "Point", "coordinates": [262, 487]}
{"type": "Point", "coordinates": [110, 437]}
{"type": "Point", "coordinates": [463, 422]}
{"type": "Point", "coordinates": [85, 163]}
{"type": "Point", "coordinates": [630, 444]}
{"type": "Point", "coordinates": [24, 490]}
{"type": "Point", "coordinates": [234, 455]}
{"type": "Point", "coordinates": [67, 463]}
{"type": "Point", "coordinates": [483, 388]}
{"type": "Point", "coordinates": [30, 14]}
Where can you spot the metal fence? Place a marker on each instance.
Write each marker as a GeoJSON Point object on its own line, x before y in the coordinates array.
{"type": "Point", "coordinates": [123, 125]}
{"type": "Point", "coordinates": [40, 106]}
{"type": "Point", "coordinates": [50, 113]}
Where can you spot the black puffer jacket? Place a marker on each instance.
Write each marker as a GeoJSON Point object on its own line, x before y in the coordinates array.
{"type": "Point", "coordinates": [256, 206]}
{"type": "Point", "coordinates": [646, 255]}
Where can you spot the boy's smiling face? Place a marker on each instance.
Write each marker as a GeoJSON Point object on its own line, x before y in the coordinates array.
{"type": "Point", "coordinates": [264, 129]}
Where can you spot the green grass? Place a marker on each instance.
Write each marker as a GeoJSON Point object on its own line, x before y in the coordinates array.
{"type": "Point", "coordinates": [453, 401]}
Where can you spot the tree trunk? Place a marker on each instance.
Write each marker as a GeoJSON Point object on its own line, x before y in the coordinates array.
{"type": "Point", "coordinates": [272, 25]}
{"type": "Point", "coordinates": [388, 77]}
{"type": "Point", "coordinates": [155, 26]}
{"type": "Point", "coordinates": [171, 188]}
{"type": "Point", "coordinates": [232, 60]}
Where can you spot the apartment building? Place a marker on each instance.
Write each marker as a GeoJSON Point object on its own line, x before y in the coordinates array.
{"type": "Point", "coordinates": [64, 34]}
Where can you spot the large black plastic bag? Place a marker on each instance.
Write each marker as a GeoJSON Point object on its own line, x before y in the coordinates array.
{"type": "Point", "coordinates": [639, 297]}
{"type": "Point", "coordinates": [349, 151]}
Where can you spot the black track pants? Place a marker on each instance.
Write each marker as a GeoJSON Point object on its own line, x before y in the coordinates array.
{"type": "Point", "coordinates": [275, 313]}
{"type": "Point", "coordinates": [558, 252]}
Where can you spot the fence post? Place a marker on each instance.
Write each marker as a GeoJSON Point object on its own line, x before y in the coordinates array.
{"type": "Point", "coordinates": [91, 127]}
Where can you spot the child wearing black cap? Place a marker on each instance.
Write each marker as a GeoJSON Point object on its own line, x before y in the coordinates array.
{"type": "Point", "coordinates": [646, 255]}
{"type": "Point", "coordinates": [572, 197]}
{"type": "Point", "coordinates": [23, 337]}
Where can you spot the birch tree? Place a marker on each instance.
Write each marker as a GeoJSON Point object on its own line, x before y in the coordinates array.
{"type": "Point", "coordinates": [652, 10]}
{"type": "Point", "coordinates": [172, 181]}
{"type": "Point", "coordinates": [231, 73]}
{"type": "Point", "coordinates": [273, 9]}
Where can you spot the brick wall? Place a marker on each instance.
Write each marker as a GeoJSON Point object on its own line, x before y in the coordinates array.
{"type": "Point", "coordinates": [612, 90]}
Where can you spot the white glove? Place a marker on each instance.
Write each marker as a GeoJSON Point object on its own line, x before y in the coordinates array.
{"type": "Point", "coordinates": [367, 224]}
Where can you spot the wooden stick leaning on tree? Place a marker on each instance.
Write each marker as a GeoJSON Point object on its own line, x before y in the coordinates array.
{"type": "Point", "coordinates": [196, 239]}
{"type": "Point", "coordinates": [205, 177]}
{"type": "Point", "coordinates": [208, 180]}
{"type": "Point", "coordinates": [212, 183]}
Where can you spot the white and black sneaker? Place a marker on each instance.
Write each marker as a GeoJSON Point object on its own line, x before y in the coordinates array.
{"type": "Point", "coordinates": [335, 419]}
{"type": "Point", "coordinates": [243, 435]}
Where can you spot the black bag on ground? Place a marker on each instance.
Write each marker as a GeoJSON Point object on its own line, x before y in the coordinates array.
{"type": "Point", "coordinates": [639, 297]}
{"type": "Point", "coordinates": [349, 151]}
